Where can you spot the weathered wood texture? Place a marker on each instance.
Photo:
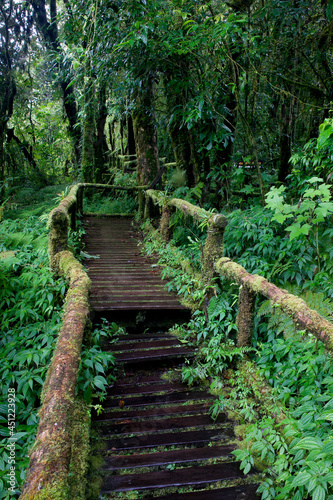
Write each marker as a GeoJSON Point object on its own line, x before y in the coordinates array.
{"type": "Point", "coordinates": [122, 279]}
{"type": "Point", "coordinates": [137, 417]}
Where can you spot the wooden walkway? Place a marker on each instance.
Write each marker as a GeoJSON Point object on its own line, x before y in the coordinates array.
{"type": "Point", "coordinates": [122, 279]}
{"type": "Point", "coordinates": [155, 434]}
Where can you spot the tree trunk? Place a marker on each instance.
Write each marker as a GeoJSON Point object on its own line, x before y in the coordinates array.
{"type": "Point", "coordinates": [100, 144]}
{"type": "Point", "coordinates": [49, 32]}
{"type": "Point", "coordinates": [27, 154]}
{"type": "Point", "coordinates": [145, 135]}
{"type": "Point", "coordinates": [88, 150]}
{"type": "Point", "coordinates": [130, 149]}
{"type": "Point", "coordinates": [285, 143]}
{"type": "Point", "coordinates": [182, 145]}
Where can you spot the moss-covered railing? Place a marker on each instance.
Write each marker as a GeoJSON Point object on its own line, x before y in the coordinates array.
{"type": "Point", "coordinates": [52, 456]}
{"type": "Point", "coordinates": [215, 224]}
{"type": "Point", "coordinates": [250, 285]}
{"type": "Point", "coordinates": [56, 472]}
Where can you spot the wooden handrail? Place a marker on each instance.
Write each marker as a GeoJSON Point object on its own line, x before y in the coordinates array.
{"type": "Point", "coordinates": [293, 306]}
{"type": "Point", "coordinates": [215, 224]}
{"type": "Point", "coordinates": [47, 475]}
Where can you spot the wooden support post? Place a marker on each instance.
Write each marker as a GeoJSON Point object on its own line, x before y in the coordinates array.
{"type": "Point", "coordinates": [141, 203]}
{"type": "Point", "coordinates": [148, 213]}
{"type": "Point", "coordinates": [245, 317]}
{"type": "Point", "coordinates": [213, 248]}
{"type": "Point", "coordinates": [58, 233]}
{"type": "Point", "coordinates": [165, 230]}
{"type": "Point", "coordinates": [80, 199]}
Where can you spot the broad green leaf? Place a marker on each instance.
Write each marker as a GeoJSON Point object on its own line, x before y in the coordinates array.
{"type": "Point", "coordinates": [297, 230]}
{"type": "Point", "coordinates": [328, 416]}
{"type": "Point", "coordinates": [302, 478]}
{"type": "Point", "coordinates": [328, 448]}
{"type": "Point", "coordinates": [310, 443]}
{"type": "Point", "coordinates": [328, 477]}
{"type": "Point", "coordinates": [319, 493]}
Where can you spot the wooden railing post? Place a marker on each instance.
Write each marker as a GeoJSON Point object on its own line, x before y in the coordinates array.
{"type": "Point", "coordinates": [165, 230]}
{"type": "Point", "coordinates": [141, 203]}
{"type": "Point", "coordinates": [213, 249]}
{"type": "Point", "coordinates": [293, 306]}
{"type": "Point", "coordinates": [245, 317]}
{"type": "Point", "coordinates": [148, 211]}
{"type": "Point", "coordinates": [80, 199]}
{"type": "Point", "coordinates": [58, 233]}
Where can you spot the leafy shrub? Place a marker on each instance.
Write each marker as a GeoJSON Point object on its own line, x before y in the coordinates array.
{"type": "Point", "coordinates": [30, 304]}
{"type": "Point", "coordinates": [121, 204]}
{"type": "Point", "coordinates": [31, 300]}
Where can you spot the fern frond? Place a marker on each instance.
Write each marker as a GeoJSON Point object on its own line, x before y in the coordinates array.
{"type": "Point", "coordinates": [265, 308]}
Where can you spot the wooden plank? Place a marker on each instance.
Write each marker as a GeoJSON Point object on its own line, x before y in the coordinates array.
{"type": "Point", "coordinates": [137, 306]}
{"type": "Point", "coordinates": [144, 344]}
{"type": "Point", "coordinates": [144, 389]}
{"type": "Point", "coordinates": [145, 295]}
{"type": "Point", "coordinates": [245, 492]}
{"type": "Point", "coordinates": [179, 477]}
{"type": "Point", "coordinates": [141, 355]}
{"type": "Point", "coordinates": [167, 457]}
{"type": "Point", "coordinates": [160, 411]}
{"type": "Point", "coordinates": [144, 336]}
{"type": "Point", "coordinates": [133, 379]}
{"type": "Point", "coordinates": [158, 425]}
{"type": "Point", "coordinates": [151, 440]}
{"type": "Point", "coordinates": [181, 396]}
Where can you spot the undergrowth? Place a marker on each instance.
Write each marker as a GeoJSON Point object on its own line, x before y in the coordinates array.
{"type": "Point", "coordinates": [297, 453]}
{"type": "Point", "coordinates": [31, 301]}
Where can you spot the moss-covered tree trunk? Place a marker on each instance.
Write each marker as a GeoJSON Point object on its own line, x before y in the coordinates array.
{"type": "Point", "coordinates": [285, 140]}
{"type": "Point", "coordinates": [183, 143]}
{"type": "Point", "coordinates": [100, 144]}
{"type": "Point", "coordinates": [145, 134]}
{"type": "Point", "coordinates": [88, 139]}
{"type": "Point", "coordinates": [130, 148]}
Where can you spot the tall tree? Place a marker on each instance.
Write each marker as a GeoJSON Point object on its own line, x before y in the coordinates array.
{"type": "Point", "coordinates": [48, 28]}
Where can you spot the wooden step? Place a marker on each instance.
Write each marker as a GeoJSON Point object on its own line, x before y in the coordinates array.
{"type": "Point", "coordinates": [158, 425]}
{"type": "Point", "coordinates": [156, 354]}
{"type": "Point", "coordinates": [160, 411]}
{"type": "Point", "coordinates": [245, 492]}
{"type": "Point", "coordinates": [144, 389]}
{"type": "Point", "coordinates": [167, 457]}
{"type": "Point", "coordinates": [178, 477]}
{"type": "Point", "coordinates": [151, 440]}
{"type": "Point", "coordinates": [163, 399]}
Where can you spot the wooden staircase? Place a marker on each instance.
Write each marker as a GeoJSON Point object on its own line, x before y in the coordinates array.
{"type": "Point", "coordinates": [155, 435]}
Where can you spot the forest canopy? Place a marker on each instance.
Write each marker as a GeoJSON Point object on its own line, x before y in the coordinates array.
{"type": "Point", "coordinates": [231, 94]}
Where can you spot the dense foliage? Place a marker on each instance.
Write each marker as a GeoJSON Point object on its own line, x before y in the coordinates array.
{"type": "Point", "coordinates": [297, 453]}
{"type": "Point", "coordinates": [233, 100]}
{"type": "Point", "coordinates": [227, 92]}
{"type": "Point", "coordinates": [31, 301]}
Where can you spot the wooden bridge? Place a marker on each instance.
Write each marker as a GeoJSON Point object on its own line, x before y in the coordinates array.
{"type": "Point", "coordinates": [155, 434]}
{"type": "Point", "coordinates": [144, 411]}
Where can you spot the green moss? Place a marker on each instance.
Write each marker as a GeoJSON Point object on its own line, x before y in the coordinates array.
{"type": "Point", "coordinates": [80, 450]}
{"type": "Point", "coordinates": [213, 250]}
{"type": "Point", "coordinates": [258, 284]}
